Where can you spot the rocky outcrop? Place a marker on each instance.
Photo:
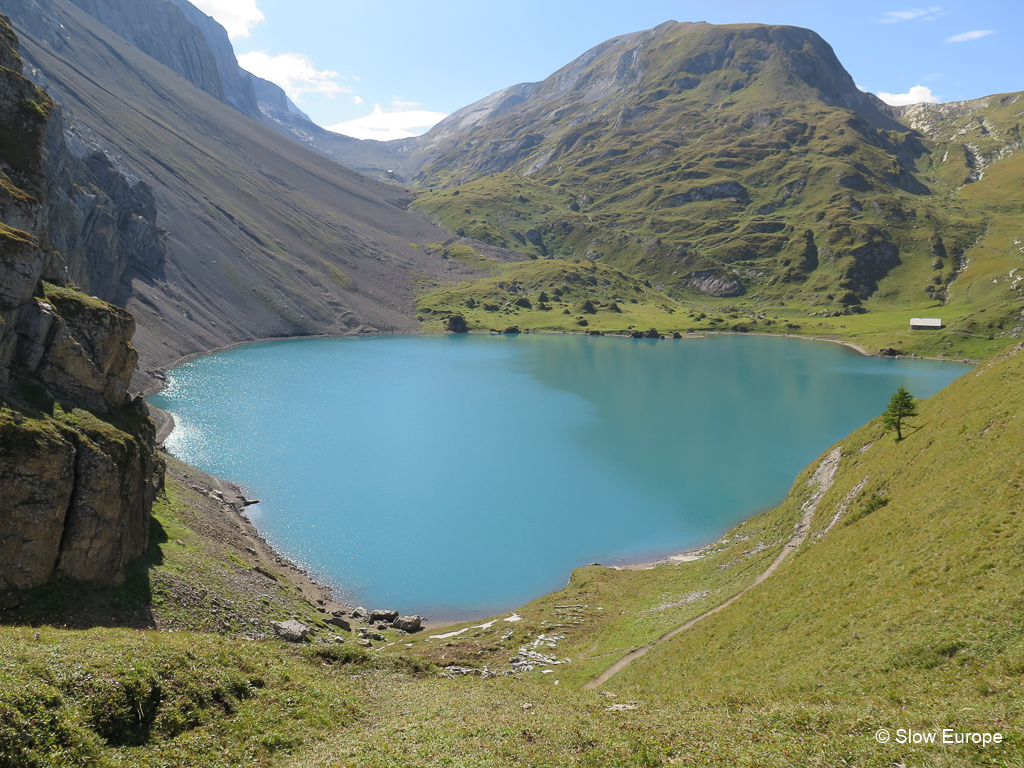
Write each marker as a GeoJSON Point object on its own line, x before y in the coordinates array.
{"type": "Point", "coordinates": [716, 283]}
{"type": "Point", "coordinates": [870, 263]}
{"type": "Point", "coordinates": [36, 483]}
{"type": "Point", "coordinates": [724, 191]}
{"type": "Point", "coordinates": [78, 347]}
{"type": "Point", "coordinates": [78, 465]}
{"type": "Point", "coordinates": [275, 105]}
{"type": "Point", "coordinates": [100, 220]}
{"type": "Point", "coordinates": [457, 324]}
{"type": "Point", "coordinates": [384, 615]}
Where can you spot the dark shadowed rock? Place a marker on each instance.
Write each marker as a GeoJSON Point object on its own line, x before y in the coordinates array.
{"type": "Point", "coordinates": [724, 191]}
{"type": "Point", "coordinates": [339, 622]}
{"type": "Point", "coordinates": [381, 615]}
{"type": "Point", "coordinates": [853, 181]}
{"type": "Point", "coordinates": [408, 623]}
{"type": "Point", "coordinates": [457, 324]}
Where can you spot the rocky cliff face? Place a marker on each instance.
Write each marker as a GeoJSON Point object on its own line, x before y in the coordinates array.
{"type": "Point", "coordinates": [193, 44]}
{"type": "Point", "coordinates": [78, 466]}
{"type": "Point", "coordinates": [162, 30]}
{"type": "Point", "coordinates": [101, 219]}
{"type": "Point", "coordinates": [238, 84]}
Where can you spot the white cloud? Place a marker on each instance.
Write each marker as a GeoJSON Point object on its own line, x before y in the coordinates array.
{"type": "Point", "coordinates": [917, 95]}
{"type": "Point", "coordinates": [293, 72]}
{"type": "Point", "coordinates": [384, 126]}
{"type": "Point", "coordinates": [925, 14]}
{"type": "Point", "coordinates": [357, 100]}
{"type": "Point", "coordinates": [399, 103]}
{"type": "Point", "coordinates": [238, 17]}
{"type": "Point", "coordinates": [965, 36]}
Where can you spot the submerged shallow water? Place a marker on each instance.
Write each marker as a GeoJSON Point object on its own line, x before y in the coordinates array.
{"type": "Point", "coordinates": [457, 476]}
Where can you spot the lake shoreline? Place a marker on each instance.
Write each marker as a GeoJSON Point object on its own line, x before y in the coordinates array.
{"type": "Point", "coordinates": [165, 425]}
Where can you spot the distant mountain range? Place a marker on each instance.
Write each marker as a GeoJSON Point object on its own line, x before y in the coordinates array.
{"type": "Point", "coordinates": [736, 164]}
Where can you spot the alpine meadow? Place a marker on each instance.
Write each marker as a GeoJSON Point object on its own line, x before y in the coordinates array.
{"type": "Point", "coordinates": [682, 185]}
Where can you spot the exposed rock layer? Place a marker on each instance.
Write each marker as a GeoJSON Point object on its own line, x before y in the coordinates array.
{"type": "Point", "coordinates": [78, 465]}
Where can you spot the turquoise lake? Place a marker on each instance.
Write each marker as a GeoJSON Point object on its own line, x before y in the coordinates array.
{"type": "Point", "coordinates": [458, 476]}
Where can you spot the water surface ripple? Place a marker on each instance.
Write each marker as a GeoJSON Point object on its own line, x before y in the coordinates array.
{"type": "Point", "coordinates": [461, 475]}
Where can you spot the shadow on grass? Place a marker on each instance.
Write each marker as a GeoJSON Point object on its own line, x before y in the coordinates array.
{"type": "Point", "coordinates": [75, 604]}
{"type": "Point", "coordinates": [910, 430]}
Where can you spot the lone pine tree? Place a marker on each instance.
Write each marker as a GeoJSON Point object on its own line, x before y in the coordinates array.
{"type": "Point", "coordinates": [901, 407]}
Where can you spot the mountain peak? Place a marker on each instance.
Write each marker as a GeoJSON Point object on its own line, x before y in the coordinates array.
{"type": "Point", "coordinates": [649, 78]}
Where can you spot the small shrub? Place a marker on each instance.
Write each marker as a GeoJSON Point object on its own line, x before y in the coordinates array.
{"type": "Point", "coordinates": [339, 654]}
{"type": "Point", "coordinates": [869, 502]}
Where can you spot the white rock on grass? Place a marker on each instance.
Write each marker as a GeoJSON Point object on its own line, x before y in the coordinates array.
{"type": "Point", "coordinates": [292, 630]}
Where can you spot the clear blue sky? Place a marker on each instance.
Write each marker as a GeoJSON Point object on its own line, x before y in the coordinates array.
{"type": "Point", "coordinates": [438, 56]}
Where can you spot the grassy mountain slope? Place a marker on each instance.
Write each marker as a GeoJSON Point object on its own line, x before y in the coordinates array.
{"type": "Point", "coordinates": [901, 609]}
{"type": "Point", "coordinates": [915, 592]}
{"type": "Point", "coordinates": [739, 165]}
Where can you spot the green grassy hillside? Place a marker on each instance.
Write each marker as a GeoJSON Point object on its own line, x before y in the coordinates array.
{"type": "Point", "coordinates": [724, 175]}
{"type": "Point", "coordinates": [899, 607]}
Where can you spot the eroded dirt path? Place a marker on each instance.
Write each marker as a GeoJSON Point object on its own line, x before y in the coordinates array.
{"type": "Point", "coordinates": [822, 481]}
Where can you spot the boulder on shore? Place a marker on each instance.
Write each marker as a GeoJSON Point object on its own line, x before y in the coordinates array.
{"type": "Point", "coordinates": [408, 623]}
{"type": "Point", "coordinates": [339, 622]}
{"type": "Point", "coordinates": [361, 614]}
{"type": "Point", "coordinates": [457, 324]}
{"type": "Point", "coordinates": [292, 630]}
{"type": "Point", "coordinates": [380, 615]}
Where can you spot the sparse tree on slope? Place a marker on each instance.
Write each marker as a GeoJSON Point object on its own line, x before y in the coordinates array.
{"type": "Point", "coordinates": [901, 407]}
